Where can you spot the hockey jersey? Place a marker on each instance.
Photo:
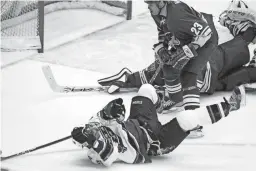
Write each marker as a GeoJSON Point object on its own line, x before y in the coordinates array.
{"type": "Point", "coordinates": [181, 21]}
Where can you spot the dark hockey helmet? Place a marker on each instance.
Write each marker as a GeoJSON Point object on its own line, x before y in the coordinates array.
{"type": "Point", "coordinates": [159, 3]}
{"type": "Point", "coordinates": [155, 6]}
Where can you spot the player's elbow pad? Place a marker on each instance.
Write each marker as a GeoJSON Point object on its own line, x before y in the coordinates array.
{"type": "Point", "coordinates": [201, 39]}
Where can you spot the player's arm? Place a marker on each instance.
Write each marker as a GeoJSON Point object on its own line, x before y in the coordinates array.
{"type": "Point", "coordinates": [191, 25]}
{"type": "Point", "coordinates": [198, 27]}
{"type": "Point", "coordinates": [161, 33]}
{"type": "Point", "coordinates": [201, 33]}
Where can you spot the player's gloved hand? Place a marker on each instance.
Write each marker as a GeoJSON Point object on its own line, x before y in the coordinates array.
{"type": "Point", "coordinates": [83, 136]}
{"type": "Point", "coordinates": [181, 55]}
{"type": "Point", "coordinates": [113, 110]}
{"type": "Point", "coordinates": [162, 52]}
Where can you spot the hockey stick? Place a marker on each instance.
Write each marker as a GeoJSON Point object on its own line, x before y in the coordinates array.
{"type": "Point", "coordinates": [156, 73]}
{"type": "Point", "coordinates": [36, 148]}
{"type": "Point", "coordinates": [66, 89]}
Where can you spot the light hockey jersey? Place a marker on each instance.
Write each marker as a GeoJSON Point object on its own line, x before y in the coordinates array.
{"type": "Point", "coordinates": [131, 147]}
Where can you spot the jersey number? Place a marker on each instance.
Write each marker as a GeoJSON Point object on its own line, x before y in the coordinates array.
{"type": "Point", "coordinates": [196, 28]}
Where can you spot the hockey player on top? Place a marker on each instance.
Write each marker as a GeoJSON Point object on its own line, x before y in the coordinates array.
{"type": "Point", "coordinates": [225, 67]}
{"type": "Point", "coordinates": [186, 40]}
{"type": "Point", "coordinates": [109, 138]}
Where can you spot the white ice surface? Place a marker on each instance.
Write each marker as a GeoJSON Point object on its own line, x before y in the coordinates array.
{"type": "Point", "coordinates": [33, 115]}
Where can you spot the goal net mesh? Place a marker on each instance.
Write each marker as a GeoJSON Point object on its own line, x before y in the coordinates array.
{"type": "Point", "coordinates": [20, 19]}
{"type": "Point", "coordinates": [17, 32]}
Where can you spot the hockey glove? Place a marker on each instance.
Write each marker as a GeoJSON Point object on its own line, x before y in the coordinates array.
{"type": "Point", "coordinates": [113, 110]}
{"type": "Point", "coordinates": [83, 136]}
{"type": "Point", "coordinates": [162, 53]}
{"type": "Point", "coordinates": [181, 55]}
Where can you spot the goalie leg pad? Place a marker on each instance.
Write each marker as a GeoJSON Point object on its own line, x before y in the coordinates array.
{"type": "Point", "coordinates": [108, 80]}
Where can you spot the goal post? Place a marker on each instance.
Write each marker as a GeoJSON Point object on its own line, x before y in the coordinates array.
{"type": "Point", "coordinates": [129, 10]}
{"type": "Point", "coordinates": [41, 25]}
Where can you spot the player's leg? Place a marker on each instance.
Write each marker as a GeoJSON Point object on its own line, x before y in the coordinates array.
{"type": "Point", "coordinates": [173, 89]}
{"type": "Point", "coordinates": [236, 54]}
{"type": "Point", "coordinates": [143, 108]}
{"type": "Point", "coordinates": [243, 75]}
{"type": "Point", "coordinates": [190, 72]}
{"type": "Point", "coordinates": [227, 59]}
{"type": "Point", "coordinates": [175, 131]}
{"type": "Point", "coordinates": [133, 80]}
{"type": "Point", "coordinates": [146, 75]}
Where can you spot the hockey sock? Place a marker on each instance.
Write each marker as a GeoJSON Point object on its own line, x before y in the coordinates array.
{"type": "Point", "coordinates": [172, 83]}
{"type": "Point", "coordinates": [174, 90]}
{"type": "Point", "coordinates": [190, 119]}
{"type": "Point", "coordinates": [191, 93]}
{"type": "Point", "coordinates": [218, 111]}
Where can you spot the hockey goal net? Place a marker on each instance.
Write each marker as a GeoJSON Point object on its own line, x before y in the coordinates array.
{"type": "Point", "coordinates": [22, 22]}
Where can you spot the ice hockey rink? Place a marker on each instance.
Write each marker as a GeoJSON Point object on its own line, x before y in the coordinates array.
{"type": "Point", "coordinates": [33, 115]}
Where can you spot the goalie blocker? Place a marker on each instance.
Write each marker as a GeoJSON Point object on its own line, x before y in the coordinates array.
{"type": "Point", "coordinates": [110, 138]}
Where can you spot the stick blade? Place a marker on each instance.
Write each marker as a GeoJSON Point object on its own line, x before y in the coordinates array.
{"type": "Point", "coordinates": [50, 79]}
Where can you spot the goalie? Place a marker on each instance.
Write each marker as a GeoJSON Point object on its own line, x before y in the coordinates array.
{"type": "Point", "coordinates": [110, 138]}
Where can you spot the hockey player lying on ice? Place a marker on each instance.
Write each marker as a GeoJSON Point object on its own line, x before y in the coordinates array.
{"type": "Point", "coordinates": [224, 70]}
{"type": "Point", "coordinates": [110, 138]}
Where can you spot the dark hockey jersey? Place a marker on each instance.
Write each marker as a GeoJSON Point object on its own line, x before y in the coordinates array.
{"type": "Point", "coordinates": [182, 21]}
{"type": "Point", "coordinates": [185, 23]}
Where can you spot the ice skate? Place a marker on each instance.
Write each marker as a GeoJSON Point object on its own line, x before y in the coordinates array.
{"type": "Point", "coordinates": [237, 99]}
